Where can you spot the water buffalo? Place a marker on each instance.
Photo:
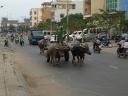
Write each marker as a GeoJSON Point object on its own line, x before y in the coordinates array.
{"type": "Point", "coordinates": [55, 52]}
{"type": "Point", "coordinates": [79, 52]}
{"type": "Point", "coordinates": [42, 44]}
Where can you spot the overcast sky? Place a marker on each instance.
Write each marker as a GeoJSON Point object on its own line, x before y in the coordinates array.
{"type": "Point", "coordinates": [18, 9]}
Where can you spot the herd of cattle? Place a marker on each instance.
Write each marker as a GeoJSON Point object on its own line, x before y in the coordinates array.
{"type": "Point", "coordinates": [55, 51]}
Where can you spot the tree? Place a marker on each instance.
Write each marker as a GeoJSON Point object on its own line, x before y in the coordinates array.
{"type": "Point", "coordinates": [76, 22]}
{"type": "Point", "coordinates": [12, 28]}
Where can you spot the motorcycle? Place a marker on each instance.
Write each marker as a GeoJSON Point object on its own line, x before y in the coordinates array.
{"type": "Point", "coordinates": [122, 52]}
{"type": "Point", "coordinates": [106, 44]}
{"type": "Point", "coordinates": [22, 42]}
{"type": "Point", "coordinates": [97, 47]}
{"type": "Point", "coordinates": [16, 40]}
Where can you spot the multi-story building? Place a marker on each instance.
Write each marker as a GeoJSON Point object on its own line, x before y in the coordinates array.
{"type": "Point", "coordinates": [35, 16]}
{"type": "Point", "coordinates": [46, 11]}
{"type": "Point", "coordinates": [124, 7]}
{"type": "Point", "coordinates": [60, 8]}
{"type": "Point", "coordinates": [92, 6]}
{"type": "Point", "coordinates": [112, 5]}
{"type": "Point", "coordinates": [117, 5]}
{"type": "Point", "coordinates": [9, 25]}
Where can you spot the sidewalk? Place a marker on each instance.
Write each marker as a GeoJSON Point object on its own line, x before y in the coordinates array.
{"type": "Point", "coordinates": [11, 81]}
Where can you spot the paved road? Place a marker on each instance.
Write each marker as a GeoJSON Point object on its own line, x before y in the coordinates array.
{"type": "Point", "coordinates": [102, 75]}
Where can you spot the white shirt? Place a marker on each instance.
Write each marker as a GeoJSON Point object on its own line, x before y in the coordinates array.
{"type": "Point", "coordinates": [125, 44]}
{"type": "Point", "coordinates": [122, 43]}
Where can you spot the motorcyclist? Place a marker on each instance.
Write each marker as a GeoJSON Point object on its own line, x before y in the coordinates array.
{"type": "Point", "coordinates": [121, 46]}
{"type": "Point", "coordinates": [6, 43]}
{"type": "Point", "coordinates": [96, 43]}
{"type": "Point", "coordinates": [16, 39]}
{"type": "Point", "coordinates": [21, 40]}
{"type": "Point", "coordinates": [126, 45]}
{"type": "Point", "coordinates": [12, 37]}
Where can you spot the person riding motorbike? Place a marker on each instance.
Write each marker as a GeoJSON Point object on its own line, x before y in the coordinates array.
{"type": "Point", "coordinates": [126, 45]}
{"type": "Point", "coordinates": [12, 37]}
{"type": "Point", "coordinates": [96, 45]}
{"type": "Point", "coordinates": [6, 43]}
{"type": "Point", "coordinates": [121, 46]}
{"type": "Point", "coordinates": [21, 40]}
{"type": "Point", "coordinates": [16, 39]}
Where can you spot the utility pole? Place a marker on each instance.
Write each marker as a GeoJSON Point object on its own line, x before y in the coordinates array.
{"type": "Point", "coordinates": [67, 9]}
{"type": "Point", "coordinates": [52, 15]}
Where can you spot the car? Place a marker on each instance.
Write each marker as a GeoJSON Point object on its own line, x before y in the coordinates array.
{"type": "Point", "coordinates": [53, 38]}
{"type": "Point", "coordinates": [35, 36]}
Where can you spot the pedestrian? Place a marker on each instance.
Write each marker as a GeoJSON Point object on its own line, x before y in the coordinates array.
{"type": "Point", "coordinates": [21, 40]}
{"type": "Point", "coordinates": [6, 43]}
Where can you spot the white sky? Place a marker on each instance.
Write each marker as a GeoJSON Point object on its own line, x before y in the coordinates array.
{"type": "Point", "coordinates": [18, 9]}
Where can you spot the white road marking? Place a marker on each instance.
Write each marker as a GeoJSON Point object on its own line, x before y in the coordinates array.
{"type": "Point", "coordinates": [114, 67]}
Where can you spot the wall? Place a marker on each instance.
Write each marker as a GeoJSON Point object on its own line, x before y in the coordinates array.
{"type": "Point", "coordinates": [46, 13]}
{"type": "Point", "coordinates": [78, 9]}
{"type": "Point", "coordinates": [36, 18]}
{"type": "Point", "coordinates": [96, 5]}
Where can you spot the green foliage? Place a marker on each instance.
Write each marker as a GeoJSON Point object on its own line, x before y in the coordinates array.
{"type": "Point", "coordinates": [12, 28]}
{"type": "Point", "coordinates": [76, 22]}
{"type": "Point", "coordinates": [107, 20]}
{"type": "Point", "coordinates": [23, 28]}
{"type": "Point", "coordinates": [46, 25]}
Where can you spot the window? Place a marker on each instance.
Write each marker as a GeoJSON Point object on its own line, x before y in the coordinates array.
{"type": "Point", "coordinates": [31, 18]}
{"type": "Point", "coordinates": [35, 13]}
{"type": "Point", "coordinates": [73, 6]}
{"type": "Point", "coordinates": [44, 33]}
{"type": "Point", "coordinates": [63, 6]}
{"type": "Point", "coordinates": [30, 12]}
{"type": "Point", "coordinates": [35, 18]}
{"type": "Point", "coordinates": [60, 6]}
{"type": "Point", "coordinates": [35, 23]}
{"type": "Point", "coordinates": [61, 15]}
{"type": "Point", "coordinates": [48, 33]}
{"type": "Point", "coordinates": [37, 33]}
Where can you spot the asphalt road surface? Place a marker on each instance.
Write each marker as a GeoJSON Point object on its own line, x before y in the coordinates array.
{"type": "Point", "coordinates": [102, 75]}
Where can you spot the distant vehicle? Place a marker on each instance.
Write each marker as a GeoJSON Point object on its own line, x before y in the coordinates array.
{"type": "Point", "coordinates": [53, 38]}
{"type": "Point", "coordinates": [48, 34]}
{"type": "Point", "coordinates": [35, 36]}
{"type": "Point", "coordinates": [76, 34]}
{"type": "Point", "coordinates": [124, 35]}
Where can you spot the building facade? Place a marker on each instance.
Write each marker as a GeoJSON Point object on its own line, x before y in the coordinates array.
{"type": "Point", "coordinates": [60, 8]}
{"type": "Point", "coordinates": [124, 7]}
{"type": "Point", "coordinates": [92, 6]}
{"type": "Point", "coordinates": [112, 5]}
{"type": "Point", "coordinates": [46, 11]}
{"type": "Point", "coordinates": [9, 25]}
{"type": "Point", "coordinates": [117, 5]}
{"type": "Point", "coordinates": [35, 16]}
